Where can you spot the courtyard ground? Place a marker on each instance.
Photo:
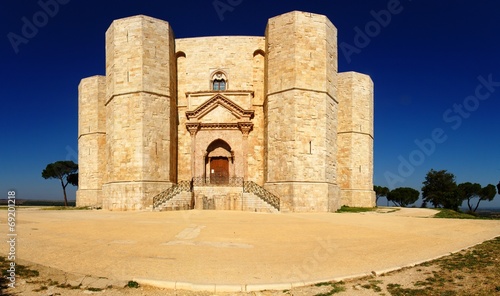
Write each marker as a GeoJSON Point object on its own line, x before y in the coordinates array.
{"type": "Point", "coordinates": [220, 251]}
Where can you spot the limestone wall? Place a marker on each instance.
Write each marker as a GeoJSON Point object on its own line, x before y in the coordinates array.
{"type": "Point", "coordinates": [241, 58]}
{"type": "Point", "coordinates": [301, 53]}
{"type": "Point", "coordinates": [301, 111]}
{"type": "Point", "coordinates": [140, 112]}
{"type": "Point", "coordinates": [91, 140]}
{"type": "Point", "coordinates": [355, 138]}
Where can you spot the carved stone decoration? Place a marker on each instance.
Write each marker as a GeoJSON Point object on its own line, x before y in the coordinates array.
{"type": "Point", "coordinates": [195, 117]}
{"type": "Point", "coordinates": [245, 127]}
{"type": "Point", "coordinates": [193, 127]}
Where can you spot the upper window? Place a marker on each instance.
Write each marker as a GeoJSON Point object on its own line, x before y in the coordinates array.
{"type": "Point", "coordinates": [219, 81]}
{"type": "Point", "coordinates": [219, 84]}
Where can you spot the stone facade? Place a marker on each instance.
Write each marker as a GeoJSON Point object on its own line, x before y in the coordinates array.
{"type": "Point", "coordinates": [272, 110]}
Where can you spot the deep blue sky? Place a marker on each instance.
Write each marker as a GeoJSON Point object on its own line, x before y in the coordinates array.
{"type": "Point", "coordinates": [424, 61]}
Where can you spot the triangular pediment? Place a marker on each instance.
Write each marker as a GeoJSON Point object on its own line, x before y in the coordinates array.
{"type": "Point", "coordinates": [221, 105]}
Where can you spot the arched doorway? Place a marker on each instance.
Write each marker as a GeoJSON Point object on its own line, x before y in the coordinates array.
{"type": "Point", "coordinates": [219, 156]}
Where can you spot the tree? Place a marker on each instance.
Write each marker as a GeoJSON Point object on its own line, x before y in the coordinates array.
{"type": "Point", "coordinates": [65, 171]}
{"type": "Point", "coordinates": [487, 193]}
{"type": "Point", "coordinates": [403, 196]}
{"type": "Point", "coordinates": [498, 187]}
{"type": "Point", "coordinates": [468, 191]}
{"type": "Point", "coordinates": [380, 191]}
{"type": "Point", "coordinates": [440, 189]}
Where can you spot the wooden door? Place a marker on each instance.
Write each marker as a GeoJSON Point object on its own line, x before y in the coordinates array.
{"type": "Point", "coordinates": [219, 170]}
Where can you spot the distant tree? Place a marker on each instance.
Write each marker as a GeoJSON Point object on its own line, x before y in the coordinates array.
{"type": "Point", "coordinates": [403, 196]}
{"type": "Point", "coordinates": [468, 191]}
{"type": "Point", "coordinates": [380, 191]}
{"type": "Point", "coordinates": [498, 187]}
{"type": "Point", "coordinates": [65, 171]}
{"type": "Point", "coordinates": [440, 189]}
{"type": "Point", "coordinates": [487, 193]}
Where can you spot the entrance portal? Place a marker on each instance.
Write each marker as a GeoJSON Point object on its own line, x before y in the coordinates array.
{"type": "Point", "coordinates": [219, 170]}
{"type": "Point", "coordinates": [217, 159]}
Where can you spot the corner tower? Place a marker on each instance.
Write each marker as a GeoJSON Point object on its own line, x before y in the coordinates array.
{"type": "Point", "coordinates": [91, 141]}
{"type": "Point", "coordinates": [141, 112]}
{"type": "Point", "coordinates": [355, 139]}
{"type": "Point", "coordinates": [301, 112]}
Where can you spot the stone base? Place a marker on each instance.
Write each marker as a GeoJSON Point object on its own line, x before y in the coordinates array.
{"type": "Point", "coordinates": [306, 197]}
{"type": "Point", "coordinates": [131, 195]}
{"type": "Point", "coordinates": [358, 198]}
{"type": "Point", "coordinates": [89, 198]}
{"type": "Point", "coordinates": [229, 199]}
{"type": "Point", "coordinates": [218, 198]}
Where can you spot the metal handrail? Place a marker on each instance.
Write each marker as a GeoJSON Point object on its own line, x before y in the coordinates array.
{"type": "Point", "coordinates": [168, 194]}
{"type": "Point", "coordinates": [252, 187]}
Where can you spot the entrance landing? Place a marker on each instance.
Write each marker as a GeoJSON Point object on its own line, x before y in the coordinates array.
{"type": "Point", "coordinates": [238, 251]}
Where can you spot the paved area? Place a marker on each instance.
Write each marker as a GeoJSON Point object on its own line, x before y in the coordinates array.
{"type": "Point", "coordinates": [234, 251]}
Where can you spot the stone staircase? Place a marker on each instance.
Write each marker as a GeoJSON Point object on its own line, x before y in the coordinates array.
{"type": "Point", "coordinates": [177, 197]}
{"type": "Point", "coordinates": [181, 196]}
{"type": "Point", "coordinates": [262, 193]}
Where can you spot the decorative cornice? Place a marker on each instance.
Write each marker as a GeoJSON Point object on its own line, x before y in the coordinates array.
{"type": "Point", "coordinates": [244, 127]}
{"type": "Point", "coordinates": [219, 125]}
{"type": "Point", "coordinates": [225, 92]}
{"type": "Point", "coordinates": [193, 127]}
{"type": "Point", "coordinates": [214, 102]}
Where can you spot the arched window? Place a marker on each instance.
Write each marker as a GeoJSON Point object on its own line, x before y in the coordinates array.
{"type": "Point", "coordinates": [219, 84]}
{"type": "Point", "coordinates": [219, 81]}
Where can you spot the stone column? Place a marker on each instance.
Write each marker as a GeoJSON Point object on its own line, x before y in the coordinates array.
{"type": "Point", "coordinates": [193, 130]}
{"type": "Point", "coordinates": [245, 128]}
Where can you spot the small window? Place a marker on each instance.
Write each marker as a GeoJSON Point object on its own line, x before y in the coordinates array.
{"type": "Point", "coordinates": [219, 81]}
{"type": "Point", "coordinates": [219, 84]}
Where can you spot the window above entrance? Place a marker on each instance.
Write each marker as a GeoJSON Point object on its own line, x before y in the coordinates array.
{"type": "Point", "coordinates": [219, 84]}
{"type": "Point", "coordinates": [219, 81]}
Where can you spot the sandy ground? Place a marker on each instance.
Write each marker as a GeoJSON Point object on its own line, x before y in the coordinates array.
{"type": "Point", "coordinates": [219, 250]}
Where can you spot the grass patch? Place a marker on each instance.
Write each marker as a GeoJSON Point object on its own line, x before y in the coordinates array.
{"type": "Point", "coordinates": [42, 288]}
{"type": "Point", "coordinates": [133, 284]}
{"type": "Point", "coordinates": [323, 284]}
{"type": "Point", "coordinates": [94, 289]}
{"type": "Point", "coordinates": [63, 208]}
{"type": "Point", "coordinates": [450, 214]}
{"type": "Point", "coordinates": [347, 209]}
{"type": "Point", "coordinates": [474, 270]}
{"type": "Point", "coordinates": [390, 211]}
{"type": "Point", "coordinates": [21, 270]}
{"type": "Point", "coordinates": [336, 288]}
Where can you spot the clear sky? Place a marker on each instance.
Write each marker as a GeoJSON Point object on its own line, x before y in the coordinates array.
{"type": "Point", "coordinates": [435, 65]}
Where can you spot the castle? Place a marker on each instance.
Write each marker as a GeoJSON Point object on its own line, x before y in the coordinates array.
{"type": "Point", "coordinates": [232, 123]}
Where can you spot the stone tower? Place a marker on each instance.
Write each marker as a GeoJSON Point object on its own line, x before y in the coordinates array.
{"type": "Point", "coordinates": [302, 111]}
{"type": "Point", "coordinates": [91, 140]}
{"type": "Point", "coordinates": [128, 119]}
{"type": "Point", "coordinates": [355, 139]}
